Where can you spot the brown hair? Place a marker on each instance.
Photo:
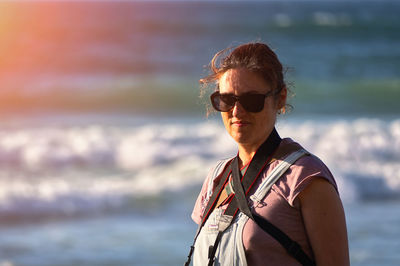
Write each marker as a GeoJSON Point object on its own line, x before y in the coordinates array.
{"type": "Point", "coordinates": [256, 57]}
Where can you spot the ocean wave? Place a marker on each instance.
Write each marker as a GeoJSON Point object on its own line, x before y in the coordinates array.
{"type": "Point", "coordinates": [124, 148]}
{"type": "Point", "coordinates": [363, 154]}
{"type": "Point", "coordinates": [330, 19]}
{"type": "Point", "coordinates": [70, 170]}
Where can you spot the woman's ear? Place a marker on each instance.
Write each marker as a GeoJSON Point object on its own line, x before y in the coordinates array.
{"type": "Point", "coordinates": [281, 100]}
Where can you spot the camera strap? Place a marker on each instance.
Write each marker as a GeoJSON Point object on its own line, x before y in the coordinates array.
{"type": "Point", "coordinates": [259, 161]}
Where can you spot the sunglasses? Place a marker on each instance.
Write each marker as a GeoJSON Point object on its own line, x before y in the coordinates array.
{"type": "Point", "coordinates": [251, 102]}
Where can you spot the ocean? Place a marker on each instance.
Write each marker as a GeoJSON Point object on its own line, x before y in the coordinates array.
{"type": "Point", "coordinates": [104, 141]}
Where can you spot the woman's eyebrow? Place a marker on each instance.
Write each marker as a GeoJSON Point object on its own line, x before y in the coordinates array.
{"type": "Point", "coordinates": [253, 92]}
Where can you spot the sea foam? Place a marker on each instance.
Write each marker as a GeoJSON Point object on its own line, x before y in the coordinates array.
{"type": "Point", "coordinates": [51, 170]}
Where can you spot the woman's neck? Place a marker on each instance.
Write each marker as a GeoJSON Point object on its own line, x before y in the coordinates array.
{"type": "Point", "coordinates": [246, 151]}
{"type": "Point", "coordinates": [245, 155]}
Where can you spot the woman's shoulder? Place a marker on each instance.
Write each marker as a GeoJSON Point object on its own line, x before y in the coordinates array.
{"type": "Point", "coordinates": [309, 161]}
{"type": "Point", "coordinates": [301, 173]}
{"type": "Point", "coordinates": [207, 189]}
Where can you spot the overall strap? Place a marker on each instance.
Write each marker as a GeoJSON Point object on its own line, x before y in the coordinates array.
{"type": "Point", "coordinates": [211, 204]}
{"type": "Point", "coordinates": [217, 192]}
{"type": "Point", "coordinates": [219, 169]}
{"type": "Point", "coordinates": [295, 152]}
{"type": "Point", "coordinates": [292, 247]}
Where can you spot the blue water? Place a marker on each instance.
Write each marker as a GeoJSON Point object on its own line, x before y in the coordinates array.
{"type": "Point", "coordinates": [163, 239]}
{"type": "Point", "coordinates": [103, 139]}
{"type": "Point", "coordinates": [343, 57]}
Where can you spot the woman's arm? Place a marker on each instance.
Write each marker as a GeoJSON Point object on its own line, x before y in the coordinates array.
{"type": "Point", "coordinates": [325, 223]}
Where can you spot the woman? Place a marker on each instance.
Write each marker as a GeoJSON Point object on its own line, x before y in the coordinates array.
{"type": "Point", "coordinates": [280, 184]}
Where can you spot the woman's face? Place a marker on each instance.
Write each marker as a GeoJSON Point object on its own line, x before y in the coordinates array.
{"type": "Point", "coordinates": [247, 128]}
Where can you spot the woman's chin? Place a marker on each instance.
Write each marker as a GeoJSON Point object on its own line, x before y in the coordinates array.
{"type": "Point", "coordinates": [242, 139]}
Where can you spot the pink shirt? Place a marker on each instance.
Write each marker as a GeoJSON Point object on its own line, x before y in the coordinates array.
{"type": "Point", "coordinates": [280, 206]}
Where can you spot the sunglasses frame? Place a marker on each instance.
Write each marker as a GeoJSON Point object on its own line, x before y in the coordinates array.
{"type": "Point", "coordinates": [240, 100]}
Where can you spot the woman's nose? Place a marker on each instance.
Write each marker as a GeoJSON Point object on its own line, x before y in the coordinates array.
{"type": "Point", "coordinates": [238, 109]}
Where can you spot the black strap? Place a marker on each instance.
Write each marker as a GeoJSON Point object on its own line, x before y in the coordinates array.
{"type": "Point", "coordinates": [189, 257]}
{"type": "Point", "coordinates": [256, 166]}
{"type": "Point", "coordinates": [292, 247]}
{"type": "Point", "coordinates": [213, 249]}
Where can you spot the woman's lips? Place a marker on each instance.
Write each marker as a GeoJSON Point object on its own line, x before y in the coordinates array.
{"type": "Point", "coordinates": [240, 123]}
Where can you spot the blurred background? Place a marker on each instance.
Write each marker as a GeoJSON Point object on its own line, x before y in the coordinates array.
{"type": "Point", "coordinates": [104, 142]}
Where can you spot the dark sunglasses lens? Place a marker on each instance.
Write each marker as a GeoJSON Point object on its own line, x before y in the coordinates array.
{"type": "Point", "coordinates": [225, 102]}
{"type": "Point", "coordinates": [222, 102]}
{"type": "Point", "coordinates": [252, 102]}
